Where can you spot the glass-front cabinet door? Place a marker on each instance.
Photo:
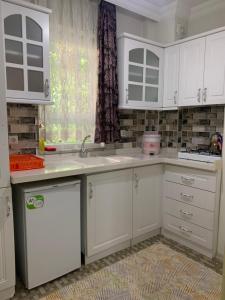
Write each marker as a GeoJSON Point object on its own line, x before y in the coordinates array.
{"type": "Point", "coordinates": [26, 41]}
{"type": "Point", "coordinates": [142, 75]}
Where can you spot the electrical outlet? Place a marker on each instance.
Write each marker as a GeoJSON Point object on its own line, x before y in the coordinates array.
{"type": "Point", "coordinates": [13, 140]}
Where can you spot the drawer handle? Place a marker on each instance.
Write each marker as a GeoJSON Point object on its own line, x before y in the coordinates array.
{"type": "Point", "coordinates": [186, 213]}
{"type": "Point", "coordinates": [184, 229]}
{"type": "Point", "coordinates": [186, 196]}
{"type": "Point", "coordinates": [187, 180]}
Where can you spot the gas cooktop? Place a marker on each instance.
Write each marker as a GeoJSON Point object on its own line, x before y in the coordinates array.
{"type": "Point", "coordinates": [199, 155]}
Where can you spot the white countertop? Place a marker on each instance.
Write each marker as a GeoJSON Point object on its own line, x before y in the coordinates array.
{"type": "Point", "coordinates": [62, 165]}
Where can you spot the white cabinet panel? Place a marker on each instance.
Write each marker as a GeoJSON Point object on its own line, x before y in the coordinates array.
{"type": "Point", "coordinates": [26, 59]}
{"type": "Point", "coordinates": [191, 72]}
{"type": "Point", "coordinates": [190, 195]}
{"type": "Point", "coordinates": [7, 259]}
{"type": "Point", "coordinates": [109, 210]}
{"type": "Point", "coordinates": [214, 77]}
{"type": "Point", "coordinates": [189, 231]}
{"type": "Point", "coordinates": [140, 68]}
{"type": "Point", "coordinates": [171, 76]}
{"type": "Point", "coordinates": [146, 199]}
{"type": "Point", "coordinates": [189, 213]}
{"type": "Point", "coordinates": [204, 181]}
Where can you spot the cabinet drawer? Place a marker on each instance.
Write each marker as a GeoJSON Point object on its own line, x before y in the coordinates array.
{"type": "Point", "coordinates": [189, 195]}
{"type": "Point", "coordinates": [191, 232]}
{"type": "Point", "coordinates": [189, 213]}
{"type": "Point", "coordinates": [204, 182]}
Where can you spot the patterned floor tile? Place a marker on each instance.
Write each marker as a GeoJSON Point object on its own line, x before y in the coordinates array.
{"type": "Point", "coordinates": [37, 293]}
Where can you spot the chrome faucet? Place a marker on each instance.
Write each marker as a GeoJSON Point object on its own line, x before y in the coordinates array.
{"type": "Point", "coordinates": [83, 150]}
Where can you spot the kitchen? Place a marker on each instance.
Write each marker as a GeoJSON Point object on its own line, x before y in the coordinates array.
{"type": "Point", "coordinates": [119, 202]}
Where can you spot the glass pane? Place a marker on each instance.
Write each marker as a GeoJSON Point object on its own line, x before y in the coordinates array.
{"type": "Point", "coordinates": [34, 30]}
{"type": "Point", "coordinates": [14, 52]}
{"type": "Point", "coordinates": [135, 92]}
{"type": "Point", "coordinates": [35, 81]}
{"type": "Point", "coordinates": [152, 76]}
{"type": "Point", "coordinates": [152, 59]}
{"type": "Point", "coordinates": [151, 94]}
{"type": "Point", "coordinates": [13, 25]}
{"type": "Point", "coordinates": [34, 55]}
{"type": "Point", "coordinates": [135, 73]}
{"type": "Point", "coordinates": [15, 80]}
{"type": "Point", "coordinates": [136, 56]}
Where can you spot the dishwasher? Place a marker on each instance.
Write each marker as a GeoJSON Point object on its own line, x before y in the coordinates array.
{"type": "Point", "coordinates": [47, 230]}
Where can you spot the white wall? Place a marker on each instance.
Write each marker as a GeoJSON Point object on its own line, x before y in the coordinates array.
{"type": "Point", "coordinates": [207, 16]}
{"type": "Point", "coordinates": [162, 32]}
{"type": "Point", "coordinates": [134, 24]}
{"type": "Point", "coordinates": [221, 235]}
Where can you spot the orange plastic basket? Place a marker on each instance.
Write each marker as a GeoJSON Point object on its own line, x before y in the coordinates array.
{"type": "Point", "coordinates": [20, 162]}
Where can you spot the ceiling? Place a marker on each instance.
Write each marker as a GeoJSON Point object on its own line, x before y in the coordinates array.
{"type": "Point", "coordinates": [160, 3]}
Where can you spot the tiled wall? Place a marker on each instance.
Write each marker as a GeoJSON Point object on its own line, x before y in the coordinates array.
{"type": "Point", "coordinates": [186, 127]}
{"type": "Point", "coordinates": [23, 126]}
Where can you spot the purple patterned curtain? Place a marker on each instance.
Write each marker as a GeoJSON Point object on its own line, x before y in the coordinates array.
{"type": "Point", "coordinates": [107, 113]}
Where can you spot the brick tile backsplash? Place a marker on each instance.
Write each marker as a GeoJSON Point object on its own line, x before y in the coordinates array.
{"type": "Point", "coordinates": [187, 127]}
{"type": "Point", "coordinates": [23, 124]}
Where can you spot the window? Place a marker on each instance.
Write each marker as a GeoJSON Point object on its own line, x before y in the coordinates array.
{"type": "Point", "coordinates": [73, 61]}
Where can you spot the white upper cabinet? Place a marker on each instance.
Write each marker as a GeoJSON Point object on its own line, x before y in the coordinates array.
{"type": "Point", "coordinates": [214, 76]}
{"type": "Point", "coordinates": [191, 81]}
{"type": "Point", "coordinates": [140, 74]}
{"type": "Point", "coordinates": [171, 77]}
{"type": "Point", "coordinates": [25, 36]}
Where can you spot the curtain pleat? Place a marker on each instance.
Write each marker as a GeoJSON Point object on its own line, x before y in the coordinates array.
{"type": "Point", "coordinates": [107, 114]}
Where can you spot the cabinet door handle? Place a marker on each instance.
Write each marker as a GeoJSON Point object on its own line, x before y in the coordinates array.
{"type": "Point", "coordinates": [46, 88]}
{"type": "Point", "coordinates": [186, 213]}
{"type": "Point", "coordinates": [187, 180]}
{"type": "Point", "coordinates": [127, 95]}
{"type": "Point", "coordinates": [175, 97]}
{"type": "Point", "coordinates": [204, 94]}
{"type": "Point", "coordinates": [8, 209]}
{"type": "Point", "coordinates": [136, 180]}
{"type": "Point", "coordinates": [186, 196]}
{"type": "Point", "coordinates": [184, 229]}
{"type": "Point", "coordinates": [199, 95]}
{"type": "Point", "coordinates": [90, 190]}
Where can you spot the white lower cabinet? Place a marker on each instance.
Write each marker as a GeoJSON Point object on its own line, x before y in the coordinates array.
{"type": "Point", "coordinates": [7, 259]}
{"type": "Point", "coordinates": [117, 207]}
{"type": "Point", "coordinates": [109, 208]}
{"type": "Point", "coordinates": [120, 208]}
{"type": "Point", "coordinates": [191, 208]}
{"type": "Point", "coordinates": [147, 187]}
